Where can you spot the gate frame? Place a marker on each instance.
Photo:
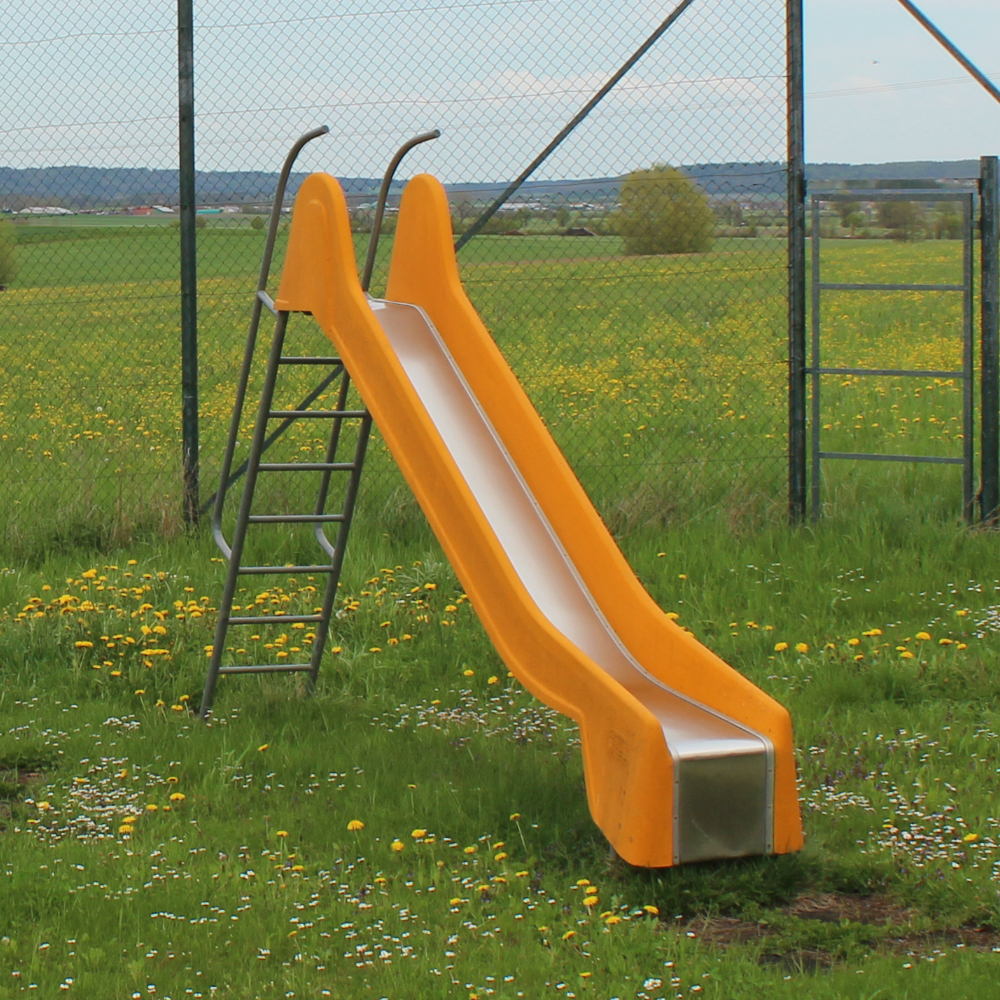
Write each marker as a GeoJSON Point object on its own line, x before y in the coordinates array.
{"type": "Point", "coordinates": [815, 371]}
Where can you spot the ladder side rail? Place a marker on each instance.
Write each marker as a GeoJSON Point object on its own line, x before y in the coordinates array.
{"type": "Point", "coordinates": [340, 548]}
{"type": "Point", "coordinates": [242, 518]}
{"type": "Point", "coordinates": [331, 457]}
{"type": "Point", "coordinates": [225, 481]}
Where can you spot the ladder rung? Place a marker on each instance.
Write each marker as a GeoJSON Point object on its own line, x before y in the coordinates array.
{"type": "Point", "coordinates": [294, 518]}
{"type": "Point", "coordinates": [306, 467]}
{"type": "Point", "coordinates": [275, 619]}
{"type": "Point", "coordinates": [264, 570]}
{"type": "Point", "coordinates": [316, 414]}
{"type": "Point", "coordinates": [267, 668]}
{"type": "Point", "coordinates": [309, 361]}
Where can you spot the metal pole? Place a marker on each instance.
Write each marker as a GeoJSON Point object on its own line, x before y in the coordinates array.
{"type": "Point", "coordinates": [968, 366]}
{"type": "Point", "coordinates": [189, 262]}
{"type": "Point", "coordinates": [815, 358]}
{"type": "Point", "coordinates": [967, 64]}
{"type": "Point", "coordinates": [577, 118]}
{"type": "Point", "coordinates": [796, 196]}
{"type": "Point", "coordinates": [990, 389]}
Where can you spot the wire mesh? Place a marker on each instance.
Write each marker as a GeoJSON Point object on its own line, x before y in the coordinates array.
{"type": "Point", "coordinates": [644, 309]}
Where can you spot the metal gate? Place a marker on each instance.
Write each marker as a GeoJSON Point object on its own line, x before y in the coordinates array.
{"type": "Point", "coordinates": [966, 198]}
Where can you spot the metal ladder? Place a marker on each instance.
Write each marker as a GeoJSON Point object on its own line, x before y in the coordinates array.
{"type": "Point", "coordinates": [262, 439]}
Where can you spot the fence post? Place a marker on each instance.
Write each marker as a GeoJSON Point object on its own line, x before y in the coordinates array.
{"type": "Point", "coordinates": [796, 264]}
{"type": "Point", "coordinates": [189, 262]}
{"type": "Point", "coordinates": [990, 375]}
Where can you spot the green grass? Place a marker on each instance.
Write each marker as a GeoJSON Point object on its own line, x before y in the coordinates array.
{"type": "Point", "coordinates": [662, 379]}
{"type": "Point", "coordinates": [892, 750]}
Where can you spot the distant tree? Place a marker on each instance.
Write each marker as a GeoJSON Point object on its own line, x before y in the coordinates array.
{"type": "Point", "coordinates": [847, 209]}
{"type": "Point", "coordinates": [256, 222]}
{"type": "Point", "coordinates": [901, 218]}
{"type": "Point", "coordinates": [8, 252]}
{"type": "Point", "coordinates": [664, 211]}
{"type": "Point", "coordinates": [855, 221]}
{"type": "Point", "coordinates": [562, 216]}
{"type": "Point", "coordinates": [948, 224]}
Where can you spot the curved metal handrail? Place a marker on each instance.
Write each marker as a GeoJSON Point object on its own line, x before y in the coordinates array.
{"type": "Point", "coordinates": [248, 353]}
{"type": "Point", "coordinates": [383, 197]}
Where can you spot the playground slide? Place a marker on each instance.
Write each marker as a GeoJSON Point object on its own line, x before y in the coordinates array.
{"type": "Point", "coordinates": [684, 758]}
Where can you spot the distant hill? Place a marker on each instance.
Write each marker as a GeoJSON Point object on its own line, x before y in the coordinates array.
{"type": "Point", "coordinates": [98, 187]}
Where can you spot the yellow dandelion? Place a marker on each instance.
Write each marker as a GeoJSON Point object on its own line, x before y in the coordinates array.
{"type": "Point", "coordinates": [802, 647]}
{"type": "Point", "coordinates": [780, 647]}
{"type": "Point", "coordinates": [493, 680]}
{"type": "Point", "coordinates": [853, 642]}
{"type": "Point", "coordinates": [281, 833]}
{"type": "Point", "coordinates": [924, 636]}
{"type": "Point", "coordinates": [263, 747]}
{"type": "Point", "coordinates": [906, 655]}
{"type": "Point", "coordinates": [397, 846]}
{"type": "Point", "coordinates": [468, 673]}
{"type": "Point", "coordinates": [591, 901]}
{"type": "Point", "coordinates": [471, 849]}
{"type": "Point", "coordinates": [971, 838]}
{"type": "Point", "coordinates": [569, 935]}
{"type": "Point", "coordinates": [177, 797]}
{"type": "Point", "coordinates": [502, 856]}
{"type": "Point", "coordinates": [514, 817]}
{"type": "Point", "coordinates": [83, 644]}
{"type": "Point", "coordinates": [354, 826]}
{"type": "Point", "coordinates": [945, 642]}
{"type": "Point", "coordinates": [591, 890]}
{"type": "Point", "coordinates": [151, 807]}
{"type": "Point", "coordinates": [613, 919]}
{"type": "Point", "coordinates": [521, 874]}
{"type": "Point", "coordinates": [418, 834]}
{"type": "Point", "coordinates": [653, 911]}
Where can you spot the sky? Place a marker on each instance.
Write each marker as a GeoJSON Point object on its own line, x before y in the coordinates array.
{"type": "Point", "coordinates": [880, 88]}
{"type": "Point", "coordinates": [92, 82]}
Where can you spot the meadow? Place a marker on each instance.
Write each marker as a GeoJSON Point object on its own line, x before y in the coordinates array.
{"type": "Point", "coordinates": [417, 827]}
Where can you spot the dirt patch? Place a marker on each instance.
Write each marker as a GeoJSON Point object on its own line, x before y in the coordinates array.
{"type": "Point", "coordinates": [832, 908]}
{"type": "Point", "coordinates": [890, 924]}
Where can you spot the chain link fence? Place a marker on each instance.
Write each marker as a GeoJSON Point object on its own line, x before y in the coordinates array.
{"type": "Point", "coordinates": [636, 281]}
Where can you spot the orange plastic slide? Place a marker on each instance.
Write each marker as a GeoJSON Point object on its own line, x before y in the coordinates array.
{"type": "Point", "coordinates": [684, 758]}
